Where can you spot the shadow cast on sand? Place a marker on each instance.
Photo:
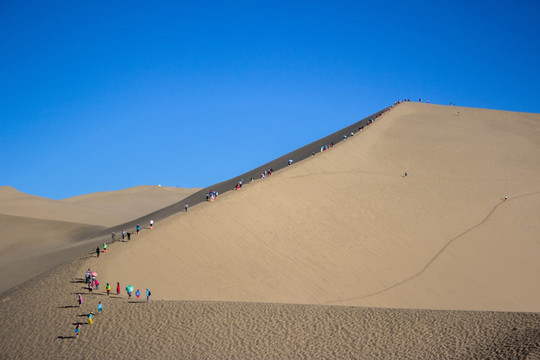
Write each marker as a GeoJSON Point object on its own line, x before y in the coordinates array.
{"type": "Point", "coordinates": [86, 293]}
{"type": "Point", "coordinates": [66, 337]}
{"type": "Point", "coordinates": [68, 306]}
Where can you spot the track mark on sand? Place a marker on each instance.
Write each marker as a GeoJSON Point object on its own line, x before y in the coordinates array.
{"type": "Point", "coordinates": [436, 255]}
{"type": "Point", "coordinates": [353, 171]}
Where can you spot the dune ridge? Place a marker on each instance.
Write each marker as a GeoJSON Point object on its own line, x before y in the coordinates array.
{"type": "Point", "coordinates": [296, 156]}
{"type": "Point", "coordinates": [125, 209]}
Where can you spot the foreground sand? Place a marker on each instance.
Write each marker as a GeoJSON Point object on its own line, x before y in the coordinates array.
{"type": "Point", "coordinates": [38, 321]}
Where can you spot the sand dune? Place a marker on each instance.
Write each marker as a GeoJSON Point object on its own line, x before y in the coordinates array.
{"type": "Point", "coordinates": [102, 208]}
{"type": "Point", "coordinates": [131, 203]}
{"type": "Point", "coordinates": [16, 203]}
{"type": "Point", "coordinates": [37, 233]}
{"type": "Point", "coordinates": [435, 265]}
{"type": "Point", "coordinates": [198, 197]}
{"type": "Point", "coordinates": [30, 246]}
{"type": "Point", "coordinates": [345, 227]}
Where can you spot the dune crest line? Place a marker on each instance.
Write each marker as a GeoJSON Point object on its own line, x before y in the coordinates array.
{"type": "Point", "coordinates": [436, 255]}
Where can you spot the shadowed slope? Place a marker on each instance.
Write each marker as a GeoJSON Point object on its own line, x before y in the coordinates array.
{"type": "Point", "coordinates": [31, 246]}
{"type": "Point", "coordinates": [37, 233]}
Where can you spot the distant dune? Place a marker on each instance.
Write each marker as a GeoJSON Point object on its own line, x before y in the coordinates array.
{"type": "Point", "coordinates": [398, 242]}
{"type": "Point", "coordinates": [130, 203]}
{"type": "Point", "coordinates": [30, 246]}
{"type": "Point", "coordinates": [37, 233]}
{"type": "Point", "coordinates": [16, 203]}
{"type": "Point", "coordinates": [102, 208]}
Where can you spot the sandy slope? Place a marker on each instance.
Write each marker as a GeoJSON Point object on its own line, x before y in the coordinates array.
{"type": "Point", "coordinates": [30, 246]}
{"type": "Point", "coordinates": [345, 227]}
{"type": "Point", "coordinates": [37, 233]}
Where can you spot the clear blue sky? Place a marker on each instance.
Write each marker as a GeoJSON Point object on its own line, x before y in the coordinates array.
{"type": "Point", "coordinates": [105, 95]}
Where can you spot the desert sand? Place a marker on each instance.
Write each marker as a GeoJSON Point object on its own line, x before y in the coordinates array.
{"type": "Point", "coordinates": [38, 321]}
{"type": "Point", "coordinates": [346, 227]}
{"type": "Point", "coordinates": [106, 208]}
{"type": "Point", "coordinates": [336, 256]}
{"type": "Point", "coordinates": [38, 234]}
